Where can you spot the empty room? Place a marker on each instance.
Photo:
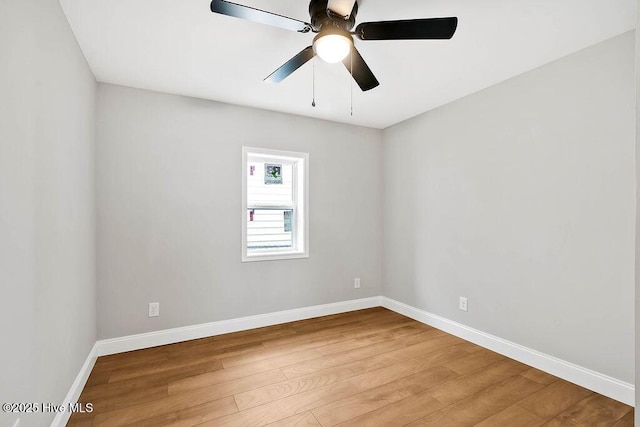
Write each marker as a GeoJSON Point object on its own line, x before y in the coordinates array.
{"type": "Point", "coordinates": [328, 212]}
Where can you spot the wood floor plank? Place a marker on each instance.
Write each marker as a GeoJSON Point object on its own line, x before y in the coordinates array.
{"type": "Point", "coordinates": [114, 399]}
{"type": "Point", "coordinates": [227, 344]}
{"type": "Point", "coordinates": [417, 406]}
{"type": "Point", "coordinates": [513, 415]}
{"type": "Point", "coordinates": [354, 329]}
{"type": "Point", "coordinates": [324, 362]}
{"type": "Point", "coordinates": [469, 347]}
{"type": "Point", "coordinates": [367, 329]}
{"type": "Point", "coordinates": [130, 358]}
{"type": "Point", "coordinates": [539, 376]}
{"type": "Point", "coordinates": [166, 368]}
{"type": "Point", "coordinates": [422, 348]}
{"type": "Point", "coordinates": [472, 383]}
{"type": "Point", "coordinates": [399, 413]}
{"type": "Point", "coordinates": [370, 367]}
{"type": "Point", "coordinates": [191, 416]}
{"type": "Point", "coordinates": [328, 322]}
{"type": "Point", "coordinates": [372, 399]}
{"type": "Point", "coordinates": [594, 410]}
{"type": "Point", "coordinates": [109, 396]}
{"type": "Point", "coordinates": [305, 419]}
{"type": "Point", "coordinates": [312, 399]}
{"type": "Point", "coordinates": [554, 399]}
{"type": "Point", "coordinates": [150, 380]}
{"type": "Point", "coordinates": [269, 352]}
{"type": "Point", "coordinates": [318, 379]}
{"type": "Point", "coordinates": [98, 376]}
{"type": "Point", "coordinates": [424, 403]}
{"type": "Point", "coordinates": [135, 415]}
{"type": "Point", "coordinates": [240, 371]}
{"type": "Point", "coordinates": [239, 340]}
{"type": "Point", "coordinates": [323, 344]}
{"type": "Point", "coordinates": [353, 316]}
{"type": "Point", "coordinates": [111, 390]}
{"type": "Point", "coordinates": [229, 388]}
{"type": "Point", "coordinates": [214, 350]}
{"type": "Point", "coordinates": [326, 334]}
{"type": "Point", "coordinates": [421, 337]}
{"type": "Point", "coordinates": [480, 406]}
{"type": "Point", "coordinates": [627, 420]}
{"type": "Point", "coordinates": [351, 344]}
{"type": "Point", "coordinates": [75, 421]}
{"type": "Point", "coordinates": [474, 361]}
{"type": "Point", "coordinates": [435, 357]}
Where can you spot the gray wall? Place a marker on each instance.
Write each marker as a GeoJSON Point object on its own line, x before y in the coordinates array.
{"type": "Point", "coordinates": [521, 198]}
{"type": "Point", "coordinates": [169, 213]}
{"type": "Point", "coordinates": [47, 247]}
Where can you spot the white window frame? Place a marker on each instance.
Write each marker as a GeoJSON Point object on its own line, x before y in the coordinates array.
{"type": "Point", "coordinates": [300, 162]}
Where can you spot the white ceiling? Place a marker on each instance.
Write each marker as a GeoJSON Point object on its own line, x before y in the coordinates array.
{"type": "Point", "coordinates": [181, 47]}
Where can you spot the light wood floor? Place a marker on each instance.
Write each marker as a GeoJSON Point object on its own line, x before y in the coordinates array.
{"type": "Point", "coordinates": [366, 368]}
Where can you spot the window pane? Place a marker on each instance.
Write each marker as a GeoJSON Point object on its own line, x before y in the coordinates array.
{"type": "Point", "coordinates": [260, 193]}
{"type": "Point", "coordinates": [269, 228]}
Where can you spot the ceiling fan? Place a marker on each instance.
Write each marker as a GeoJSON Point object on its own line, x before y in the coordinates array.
{"type": "Point", "coordinates": [333, 20]}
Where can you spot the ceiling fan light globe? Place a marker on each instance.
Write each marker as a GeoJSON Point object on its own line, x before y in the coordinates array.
{"type": "Point", "coordinates": [332, 48]}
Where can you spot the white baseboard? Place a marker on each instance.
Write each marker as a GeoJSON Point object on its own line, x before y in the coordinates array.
{"type": "Point", "coordinates": [62, 418]}
{"type": "Point", "coordinates": [170, 336]}
{"type": "Point", "coordinates": [600, 383]}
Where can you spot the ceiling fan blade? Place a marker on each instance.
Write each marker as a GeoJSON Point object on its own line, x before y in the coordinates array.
{"type": "Point", "coordinates": [260, 16]}
{"type": "Point", "coordinates": [410, 29]}
{"type": "Point", "coordinates": [361, 72]}
{"type": "Point", "coordinates": [291, 65]}
{"type": "Point", "coordinates": [341, 7]}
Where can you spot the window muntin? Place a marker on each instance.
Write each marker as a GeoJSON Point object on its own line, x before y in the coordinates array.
{"type": "Point", "coordinates": [275, 213]}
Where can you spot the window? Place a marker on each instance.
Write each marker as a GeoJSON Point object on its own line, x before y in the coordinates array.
{"type": "Point", "coordinates": [275, 210]}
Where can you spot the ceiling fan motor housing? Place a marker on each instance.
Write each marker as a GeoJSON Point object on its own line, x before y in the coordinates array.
{"type": "Point", "coordinates": [323, 17]}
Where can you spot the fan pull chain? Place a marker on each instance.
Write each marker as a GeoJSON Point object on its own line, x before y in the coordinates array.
{"type": "Point", "coordinates": [313, 100]}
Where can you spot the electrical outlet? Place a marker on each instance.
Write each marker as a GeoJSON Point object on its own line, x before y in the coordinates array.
{"type": "Point", "coordinates": [463, 304]}
{"type": "Point", "coordinates": [154, 309]}
{"type": "Point", "coordinates": [356, 283]}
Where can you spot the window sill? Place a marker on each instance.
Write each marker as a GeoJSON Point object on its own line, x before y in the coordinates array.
{"type": "Point", "coordinates": [274, 256]}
